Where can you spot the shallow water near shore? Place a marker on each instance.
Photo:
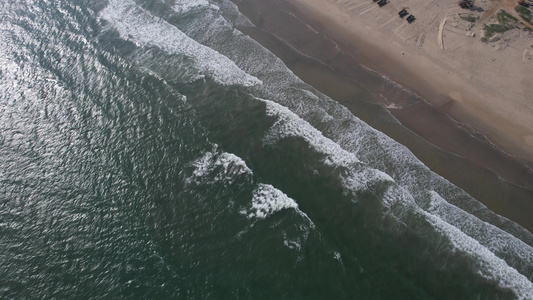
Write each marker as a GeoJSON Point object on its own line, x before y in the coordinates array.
{"type": "Point", "coordinates": [154, 150]}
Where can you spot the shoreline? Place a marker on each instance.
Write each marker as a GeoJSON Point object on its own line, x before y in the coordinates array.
{"type": "Point", "coordinates": [429, 71]}
{"type": "Point", "coordinates": [502, 183]}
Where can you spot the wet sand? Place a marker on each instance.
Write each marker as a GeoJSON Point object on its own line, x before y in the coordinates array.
{"type": "Point", "coordinates": [453, 150]}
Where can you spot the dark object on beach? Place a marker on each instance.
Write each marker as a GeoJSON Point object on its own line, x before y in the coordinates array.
{"type": "Point", "coordinates": [375, 0]}
{"type": "Point", "coordinates": [466, 3]}
{"type": "Point", "coordinates": [403, 13]}
{"type": "Point", "coordinates": [524, 3]}
{"type": "Point", "coordinates": [382, 2]}
{"type": "Point", "coordinates": [410, 19]}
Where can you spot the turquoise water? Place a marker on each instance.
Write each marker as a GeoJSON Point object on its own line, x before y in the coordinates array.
{"type": "Point", "coordinates": [150, 150]}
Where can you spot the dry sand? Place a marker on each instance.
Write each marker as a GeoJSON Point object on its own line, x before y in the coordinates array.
{"type": "Point", "coordinates": [486, 85]}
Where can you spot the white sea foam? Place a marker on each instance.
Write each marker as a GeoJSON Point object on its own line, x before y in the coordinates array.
{"type": "Point", "coordinates": [221, 167]}
{"type": "Point", "coordinates": [356, 177]}
{"type": "Point", "coordinates": [268, 200]}
{"type": "Point", "coordinates": [139, 26]}
{"type": "Point", "coordinates": [393, 106]}
{"type": "Point", "coordinates": [337, 256]}
{"type": "Point", "coordinates": [517, 253]}
{"type": "Point", "coordinates": [294, 244]}
{"type": "Point", "coordinates": [486, 264]}
{"type": "Point", "coordinates": [288, 124]}
{"type": "Point", "coordinates": [182, 6]}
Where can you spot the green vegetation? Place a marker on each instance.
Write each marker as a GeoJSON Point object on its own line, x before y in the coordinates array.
{"type": "Point", "coordinates": [506, 22]}
{"type": "Point", "coordinates": [470, 18]}
{"type": "Point", "coordinates": [525, 13]}
{"type": "Point", "coordinates": [490, 29]}
{"type": "Point", "coordinates": [527, 29]}
{"type": "Point", "coordinates": [505, 18]}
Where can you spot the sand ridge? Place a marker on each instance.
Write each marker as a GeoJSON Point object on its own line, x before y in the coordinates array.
{"type": "Point", "coordinates": [486, 85]}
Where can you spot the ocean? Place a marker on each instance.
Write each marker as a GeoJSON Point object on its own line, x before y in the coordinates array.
{"type": "Point", "coordinates": [152, 150]}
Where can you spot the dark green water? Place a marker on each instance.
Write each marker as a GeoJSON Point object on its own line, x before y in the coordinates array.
{"type": "Point", "coordinates": [150, 151]}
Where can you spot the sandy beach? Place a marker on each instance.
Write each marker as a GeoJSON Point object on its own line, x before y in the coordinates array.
{"type": "Point", "coordinates": [441, 56]}
{"type": "Point", "coordinates": [337, 59]}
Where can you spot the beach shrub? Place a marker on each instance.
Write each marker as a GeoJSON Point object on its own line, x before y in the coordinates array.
{"type": "Point", "coordinates": [505, 22]}
{"type": "Point", "coordinates": [524, 13]}
{"type": "Point", "coordinates": [505, 18]}
{"type": "Point", "coordinates": [491, 29]}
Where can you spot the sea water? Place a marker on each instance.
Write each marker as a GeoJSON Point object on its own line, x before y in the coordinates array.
{"type": "Point", "coordinates": [151, 150]}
